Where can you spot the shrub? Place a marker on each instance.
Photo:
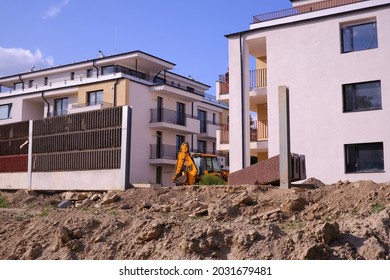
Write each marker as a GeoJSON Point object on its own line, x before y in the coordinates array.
{"type": "Point", "coordinates": [210, 179]}
{"type": "Point", "coordinates": [3, 202]}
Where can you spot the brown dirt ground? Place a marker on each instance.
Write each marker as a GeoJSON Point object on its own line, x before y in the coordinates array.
{"type": "Point", "coordinates": [340, 221]}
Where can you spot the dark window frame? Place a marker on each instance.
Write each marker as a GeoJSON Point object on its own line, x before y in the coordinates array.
{"type": "Point", "coordinates": [94, 95]}
{"type": "Point", "coordinates": [358, 160]}
{"type": "Point", "coordinates": [63, 109]}
{"type": "Point", "coordinates": [351, 101]}
{"type": "Point", "coordinates": [9, 111]}
{"type": "Point", "coordinates": [89, 73]}
{"type": "Point", "coordinates": [202, 116]}
{"type": "Point", "coordinates": [348, 36]}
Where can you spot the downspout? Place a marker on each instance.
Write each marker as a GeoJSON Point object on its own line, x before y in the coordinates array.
{"type": "Point", "coordinates": [20, 78]}
{"type": "Point", "coordinates": [97, 69]}
{"type": "Point", "coordinates": [243, 131]}
{"type": "Point", "coordinates": [48, 104]}
{"type": "Point", "coordinates": [115, 92]}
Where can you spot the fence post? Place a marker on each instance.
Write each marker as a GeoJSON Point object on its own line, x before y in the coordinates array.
{"type": "Point", "coordinates": [284, 138]}
{"type": "Point", "coordinates": [29, 159]}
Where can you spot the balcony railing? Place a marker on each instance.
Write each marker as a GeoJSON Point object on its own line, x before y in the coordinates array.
{"type": "Point", "coordinates": [258, 131]}
{"type": "Point", "coordinates": [163, 152]}
{"type": "Point", "coordinates": [168, 116]}
{"type": "Point", "coordinates": [258, 78]}
{"type": "Point", "coordinates": [155, 80]}
{"type": "Point", "coordinates": [302, 9]}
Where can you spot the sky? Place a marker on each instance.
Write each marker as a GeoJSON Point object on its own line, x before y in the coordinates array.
{"type": "Point", "coordinates": [188, 33]}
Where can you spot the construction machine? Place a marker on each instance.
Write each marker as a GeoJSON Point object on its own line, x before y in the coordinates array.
{"type": "Point", "coordinates": [191, 166]}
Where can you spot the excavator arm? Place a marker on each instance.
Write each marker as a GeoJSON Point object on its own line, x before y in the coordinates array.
{"type": "Point", "coordinates": [185, 171]}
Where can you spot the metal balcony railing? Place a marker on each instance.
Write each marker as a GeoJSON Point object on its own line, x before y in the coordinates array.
{"type": "Point", "coordinates": [302, 9]}
{"type": "Point", "coordinates": [258, 131]}
{"type": "Point", "coordinates": [168, 116]}
{"type": "Point", "coordinates": [163, 152]}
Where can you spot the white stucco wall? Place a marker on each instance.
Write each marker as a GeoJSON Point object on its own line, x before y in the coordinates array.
{"type": "Point", "coordinates": [307, 58]}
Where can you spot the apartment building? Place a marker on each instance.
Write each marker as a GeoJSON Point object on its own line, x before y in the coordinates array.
{"type": "Point", "coordinates": [333, 56]}
{"type": "Point", "coordinates": [167, 108]}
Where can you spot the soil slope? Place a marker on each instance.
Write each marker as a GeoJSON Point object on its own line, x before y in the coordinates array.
{"type": "Point", "coordinates": [340, 221]}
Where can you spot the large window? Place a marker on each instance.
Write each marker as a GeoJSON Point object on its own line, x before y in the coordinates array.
{"type": "Point", "coordinates": [95, 97]}
{"type": "Point", "coordinates": [202, 116]}
{"type": "Point", "coordinates": [202, 146]}
{"type": "Point", "coordinates": [367, 157]}
{"type": "Point", "coordinates": [106, 70]}
{"type": "Point", "coordinates": [179, 140]}
{"type": "Point", "coordinates": [359, 37]}
{"type": "Point", "coordinates": [5, 111]}
{"type": "Point", "coordinates": [89, 73]}
{"type": "Point", "coordinates": [180, 113]}
{"type": "Point", "coordinates": [61, 106]}
{"type": "Point", "coordinates": [362, 96]}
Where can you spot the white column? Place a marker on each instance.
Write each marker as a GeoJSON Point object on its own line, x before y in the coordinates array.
{"type": "Point", "coordinates": [239, 140]}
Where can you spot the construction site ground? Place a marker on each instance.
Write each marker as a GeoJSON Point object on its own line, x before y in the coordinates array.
{"type": "Point", "coordinates": [345, 220]}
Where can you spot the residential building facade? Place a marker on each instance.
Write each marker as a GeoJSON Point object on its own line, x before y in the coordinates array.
{"type": "Point", "coordinates": [332, 55]}
{"type": "Point", "coordinates": [167, 108]}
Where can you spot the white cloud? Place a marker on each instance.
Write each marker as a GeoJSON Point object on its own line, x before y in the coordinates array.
{"type": "Point", "coordinates": [18, 60]}
{"type": "Point", "coordinates": [55, 10]}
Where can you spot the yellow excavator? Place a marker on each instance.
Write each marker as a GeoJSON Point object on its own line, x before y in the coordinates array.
{"type": "Point", "coordinates": [190, 167]}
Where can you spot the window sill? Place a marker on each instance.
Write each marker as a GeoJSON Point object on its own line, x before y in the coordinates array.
{"type": "Point", "coordinates": [365, 172]}
{"type": "Point", "coordinates": [366, 110]}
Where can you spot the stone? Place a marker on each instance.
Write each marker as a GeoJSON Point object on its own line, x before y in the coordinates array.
{"type": "Point", "coordinates": [63, 234]}
{"type": "Point", "coordinates": [64, 204]}
{"type": "Point", "coordinates": [318, 251]}
{"type": "Point", "coordinates": [329, 232]}
{"type": "Point", "coordinates": [244, 199]}
{"type": "Point", "coordinates": [295, 205]}
{"type": "Point", "coordinates": [151, 231]}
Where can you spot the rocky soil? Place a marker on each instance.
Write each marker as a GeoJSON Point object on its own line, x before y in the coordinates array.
{"type": "Point", "coordinates": [346, 220]}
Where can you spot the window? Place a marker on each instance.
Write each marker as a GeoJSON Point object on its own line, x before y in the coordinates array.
{"type": "Point", "coordinates": [201, 146]}
{"type": "Point", "coordinates": [60, 106]}
{"type": "Point", "coordinates": [179, 140]}
{"type": "Point", "coordinates": [203, 121]}
{"type": "Point", "coordinates": [95, 97]}
{"type": "Point", "coordinates": [72, 76]}
{"type": "Point", "coordinates": [159, 175]}
{"type": "Point", "coordinates": [359, 37]}
{"type": "Point", "coordinates": [46, 81]}
{"type": "Point", "coordinates": [180, 114]}
{"type": "Point", "coordinates": [30, 83]}
{"type": "Point", "coordinates": [366, 157]}
{"type": "Point", "coordinates": [106, 70]}
{"type": "Point", "coordinates": [18, 86]}
{"type": "Point", "coordinates": [214, 119]}
{"type": "Point", "coordinates": [5, 111]}
{"type": "Point", "coordinates": [159, 147]}
{"type": "Point", "coordinates": [160, 110]}
{"type": "Point", "coordinates": [362, 96]}
{"type": "Point", "coordinates": [89, 73]}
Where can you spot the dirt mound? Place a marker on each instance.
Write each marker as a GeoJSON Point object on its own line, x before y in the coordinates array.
{"type": "Point", "coordinates": [341, 221]}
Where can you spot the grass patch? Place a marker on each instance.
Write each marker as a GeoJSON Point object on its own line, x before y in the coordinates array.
{"type": "Point", "coordinates": [211, 180]}
{"type": "Point", "coordinates": [377, 207]}
{"type": "Point", "coordinates": [331, 218]}
{"type": "Point", "coordinates": [292, 226]}
{"type": "Point", "coordinates": [3, 202]}
{"type": "Point", "coordinates": [46, 211]}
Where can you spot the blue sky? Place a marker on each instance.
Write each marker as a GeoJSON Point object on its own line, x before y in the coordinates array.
{"type": "Point", "coordinates": [44, 33]}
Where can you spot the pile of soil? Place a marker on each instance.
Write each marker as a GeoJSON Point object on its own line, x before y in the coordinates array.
{"type": "Point", "coordinates": [346, 220]}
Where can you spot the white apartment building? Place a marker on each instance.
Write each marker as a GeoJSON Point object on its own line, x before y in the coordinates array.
{"type": "Point", "coordinates": [333, 55]}
{"type": "Point", "coordinates": [167, 108]}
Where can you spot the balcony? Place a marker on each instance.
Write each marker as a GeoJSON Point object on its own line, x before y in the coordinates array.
{"type": "Point", "coordinates": [84, 107]}
{"type": "Point", "coordinates": [163, 154]}
{"type": "Point", "coordinates": [302, 9]}
{"type": "Point", "coordinates": [162, 118]}
{"type": "Point", "coordinates": [208, 129]}
{"type": "Point", "coordinates": [257, 84]}
{"type": "Point", "coordinates": [258, 132]}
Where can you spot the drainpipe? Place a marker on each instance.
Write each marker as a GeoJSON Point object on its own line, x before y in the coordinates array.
{"type": "Point", "coordinates": [20, 78]}
{"type": "Point", "coordinates": [115, 92]}
{"type": "Point", "coordinates": [243, 131]}
{"type": "Point", "coordinates": [97, 69]}
{"type": "Point", "coordinates": [48, 104]}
